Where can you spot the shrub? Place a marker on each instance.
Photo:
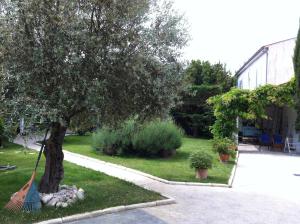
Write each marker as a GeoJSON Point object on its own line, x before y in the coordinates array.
{"type": "Point", "coordinates": [126, 133]}
{"type": "Point", "coordinates": [223, 146]}
{"type": "Point", "coordinates": [1, 131]}
{"type": "Point", "coordinates": [107, 141]}
{"type": "Point", "coordinates": [200, 160]}
{"type": "Point", "coordinates": [158, 138]}
{"type": "Point", "coordinates": [116, 141]}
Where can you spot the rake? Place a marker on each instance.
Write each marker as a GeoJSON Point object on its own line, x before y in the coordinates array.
{"type": "Point", "coordinates": [27, 198]}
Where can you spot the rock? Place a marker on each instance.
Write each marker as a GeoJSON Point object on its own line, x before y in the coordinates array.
{"type": "Point", "coordinates": [66, 196]}
{"type": "Point", "coordinates": [80, 194]}
{"type": "Point", "coordinates": [71, 201]}
{"type": "Point", "coordinates": [45, 198]}
{"type": "Point", "coordinates": [52, 202]}
{"type": "Point", "coordinates": [61, 187]}
{"type": "Point", "coordinates": [58, 204]}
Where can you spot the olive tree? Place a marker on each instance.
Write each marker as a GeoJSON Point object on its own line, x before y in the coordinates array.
{"type": "Point", "coordinates": [113, 58]}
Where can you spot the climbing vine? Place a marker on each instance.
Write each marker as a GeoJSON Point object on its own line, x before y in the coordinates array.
{"type": "Point", "coordinates": [248, 105]}
{"type": "Point", "coordinates": [296, 61]}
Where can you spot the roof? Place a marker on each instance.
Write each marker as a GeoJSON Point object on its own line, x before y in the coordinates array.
{"type": "Point", "coordinates": [264, 49]}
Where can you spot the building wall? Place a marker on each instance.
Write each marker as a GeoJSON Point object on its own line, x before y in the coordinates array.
{"type": "Point", "coordinates": [254, 76]}
{"type": "Point", "coordinates": [280, 62]}
{"type": "Point", "coordinates": [274, 67]}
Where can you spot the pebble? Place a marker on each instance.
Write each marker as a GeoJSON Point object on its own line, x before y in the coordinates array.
{"type": "Point", "coordinates": [66, 196]}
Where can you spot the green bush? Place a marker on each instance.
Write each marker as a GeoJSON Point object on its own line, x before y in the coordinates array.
{"type": "Point", "coordinates": [126, 133]}
{"type": "Point", "coordinates": [222, 146]}
{"type": "Point", "coordinates": [201, 160]}
{"type": "Point", "coordinates": [1, 131]}
{"type": "Point", "coordinates": [107, 141]}
{"type": "Point", "coordinates": [117, 141]}
{"type": "Point", "coordinates": [158, 138]}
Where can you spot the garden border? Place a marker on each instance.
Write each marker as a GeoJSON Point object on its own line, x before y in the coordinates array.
{"type": "Point", "coordinates": [105, 211]}
{"type": "Point", "coordinates": [228, 185]}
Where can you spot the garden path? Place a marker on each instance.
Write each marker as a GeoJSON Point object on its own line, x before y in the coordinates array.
{"type": "Point", "coordinates": [265, 191]}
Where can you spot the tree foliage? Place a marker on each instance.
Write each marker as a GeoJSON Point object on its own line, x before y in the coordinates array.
{"type": "Point", "coordinates": [248, 105]}
{"type": "Point", "coordinates": [204, 79]}
{"type": "Point", "coordinates": [115, 58]}
{"type": "Point", "coordinates": [296, 60]}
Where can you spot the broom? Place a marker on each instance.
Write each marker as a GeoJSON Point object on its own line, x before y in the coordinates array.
{"type": "Point", "coordinates": [27, 198]}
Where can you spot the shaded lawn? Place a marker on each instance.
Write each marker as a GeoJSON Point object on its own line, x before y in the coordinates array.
{"type": "Point", "coordinates": [175, 168]}
{"type": "Point", "coordinates": [101, 190]}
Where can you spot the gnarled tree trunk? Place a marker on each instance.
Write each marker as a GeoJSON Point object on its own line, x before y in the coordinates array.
{"type": "Point", "coordinates": [54, 170]}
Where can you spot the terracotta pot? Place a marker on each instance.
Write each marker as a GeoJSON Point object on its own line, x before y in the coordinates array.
{"type": "Point", "coordinates": [201, 173]}
{"type": "Point", "coordinates": [224, 157]}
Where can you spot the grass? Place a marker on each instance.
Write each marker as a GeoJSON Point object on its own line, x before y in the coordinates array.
{"type": "Point", "coordinates": [101, 190]}
{"type": "Point", "coordinates": [174, 169]}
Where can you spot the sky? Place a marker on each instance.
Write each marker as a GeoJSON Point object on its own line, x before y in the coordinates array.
{"type": "Point", "coordinates": [231, 31]}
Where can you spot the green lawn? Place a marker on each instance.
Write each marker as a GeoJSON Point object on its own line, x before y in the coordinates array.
{"type": "Point", "coordinates": [175, 168]}
{"type": "Point", "coordinates": [101, 190]}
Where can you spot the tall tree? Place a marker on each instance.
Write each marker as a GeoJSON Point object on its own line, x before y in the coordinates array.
{"type": "Point", "coordinates": [296, 60]}
{"type": "Point", "coordinates": [111, 58]}
{"type": "Point", "coordinates": [194, 115]}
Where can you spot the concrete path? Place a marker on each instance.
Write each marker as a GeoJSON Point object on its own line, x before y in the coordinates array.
{"type": "Point", "coordinates": [266, 190]}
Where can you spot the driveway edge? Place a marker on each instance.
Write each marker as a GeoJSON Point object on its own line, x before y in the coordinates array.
{"type": "Point", "coordinates": [105, 211]}
{"type": "Point", "coordinates": [228, 185]}
{"type": "Point", "coordinates": [232, 175]}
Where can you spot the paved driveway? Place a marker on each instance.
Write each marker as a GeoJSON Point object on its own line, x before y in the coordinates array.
{"type": "Point", "coordinates": [266, 190]}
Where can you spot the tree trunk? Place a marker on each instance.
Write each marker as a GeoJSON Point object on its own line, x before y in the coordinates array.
{"type": "Point", "coordinates": [54, 170]}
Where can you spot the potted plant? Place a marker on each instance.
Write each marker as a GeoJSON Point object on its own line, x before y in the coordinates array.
{"type": "Point", "coordinates": [224, 148]}
{"type": "Point", "coordinates": [201, 161]}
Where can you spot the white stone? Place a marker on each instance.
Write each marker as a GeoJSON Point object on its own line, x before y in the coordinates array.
{"type": "Point", "coordinates": [80, 194]}
{"type": "Point", "coordinates": [58, 204]}
{"type": "Point", "coordinates": [61, 187]}
{"type": "Point", "coordinates": [52, 202]}
{"type": "Point", "coordinates": [70, 201]}
{"type": "Point", "coordinates": [66, 196]}
{"type": "Point", "coordinates": [45, 198]}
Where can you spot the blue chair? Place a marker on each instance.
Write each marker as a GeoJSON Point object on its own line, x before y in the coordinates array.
{"type": "Point", "coordinates": [265, 140]}
{"type": "Point", "coordinates": [278, 142]}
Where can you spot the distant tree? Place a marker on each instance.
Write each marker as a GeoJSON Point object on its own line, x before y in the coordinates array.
{"type": "Point", "coordinates": [60, 58]}
{"type": "Point", "coordinates": [194, 115]}
{"type": "Point", "coordinates": [296, 60]}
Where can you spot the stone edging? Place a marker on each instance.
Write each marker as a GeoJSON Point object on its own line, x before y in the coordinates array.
{"type": "Point", "coordinates": [111, 210]}
{"type": "Point", "coordinates": [228, 185]}
{"type": "Point", "coordinates": [232, 175]}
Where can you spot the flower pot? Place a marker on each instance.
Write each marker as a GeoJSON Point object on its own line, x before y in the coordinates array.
{"type": "Point", "coordinates": [224, 157]}
{"type": "Point", "coordinates": [201, 173]}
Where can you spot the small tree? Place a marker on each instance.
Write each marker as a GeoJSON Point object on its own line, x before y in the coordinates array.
{"type": "Point", "coordinates": [110, 58]}
{"type": "Point", "coordinates": [205, 80]}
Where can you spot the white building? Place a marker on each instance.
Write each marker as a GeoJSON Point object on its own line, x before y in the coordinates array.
{"type": "Point", "coordinates": [271, 64]}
